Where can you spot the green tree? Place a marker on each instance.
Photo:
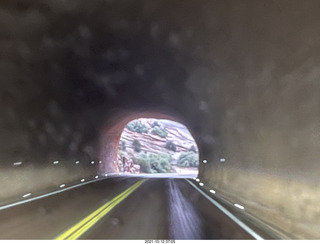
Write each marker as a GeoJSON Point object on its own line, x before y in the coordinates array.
{"type": "Point", "coordinates": [142, 160]}
{"type": "Point", "coordinates": [122, 145]}
{"type": "Point", "coordinates": [136, 145]}
{"type": "Point", "coordinates": [154, 162]}
{"type": "Point", "coordinates": [171, 146]}
{"type": "Point", "coordinates": [137, 126]}
{"type": "Point", "coordinates": [155, 123]}
{"type": "Point", "coordinates": [188, 159]}
{"type": "Point", "coordinates": [193, 149]}
{"type": "Point", "coordinates": [160, 163]}
{"type": "Point", "coordinates": [159, 131]}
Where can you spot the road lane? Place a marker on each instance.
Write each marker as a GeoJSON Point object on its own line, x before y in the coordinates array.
{"type": "Point", "coordinates": [158, 209]}
{"type": "Point", "coordinates": [87, 223]}
{"type": "Point", "coordinates": [216, 225]}
{"type": "Point", "coordinates": [48, 217]}
{"type": "Point", "coordinates": [143, 215]}
{"type": "Point", "coordinates": [184, 218]}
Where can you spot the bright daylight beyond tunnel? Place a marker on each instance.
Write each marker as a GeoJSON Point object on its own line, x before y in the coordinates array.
{"type": "Point", "coordinates": [157, 146]}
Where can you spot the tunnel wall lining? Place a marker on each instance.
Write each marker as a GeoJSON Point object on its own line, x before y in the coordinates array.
{"type": "Point", "coordinates": [296, 213]}
{"type": "Point", "coordinates": [245, 74]}
{"type": "Point", "coordinates": [111, 133]}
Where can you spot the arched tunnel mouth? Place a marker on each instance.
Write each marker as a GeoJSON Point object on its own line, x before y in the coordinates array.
{"type": "Point", "coordinates": [149, 145]}
{"type": "Point", "coordinates": [242, 76]}
{"type": "Point", "coordinates": [156, 146]}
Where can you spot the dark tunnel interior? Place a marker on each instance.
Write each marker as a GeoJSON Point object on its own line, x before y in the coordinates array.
{"type": "Point", "coordinates": [242, 76]}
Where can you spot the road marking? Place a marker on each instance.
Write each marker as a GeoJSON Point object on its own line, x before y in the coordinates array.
{"type": "Point", "coordinates": [226, 212]}
{"type": "Point", "coordinates": [46, 195]}
{"type": "Point", "coordinates": [82, 226]}
{"type": "Point", "coordinates": [239, 206]}
{"type": "Point", "coordinates": [27, 195]}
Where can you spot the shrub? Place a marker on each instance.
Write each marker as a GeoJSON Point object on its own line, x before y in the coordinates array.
{"type": "Point", "coordinates": [171, 146]}
{"type": "Point", "coordinates": [159, 131]}
{"type": "Point", "coordinates": [160, 163]}
{"type": "Point", "coordinates": [136, 145]}
{"type": "Point", "coordinates": [154, 162]}
{"type": "Point", "coordinates": [142, 160]}
{"type": "Point", "coordinates": [193, 149]}
{"type": "Point", "coordinates": [155, 123]}
{"type": "Point", "coordinates": [137, 126]}
{"type": "Point", "coordinates": [121, 153]}
{"type": "Point", "coordinates": [122, 145]}
{"type": "Point", "coordinates": [188, 159]}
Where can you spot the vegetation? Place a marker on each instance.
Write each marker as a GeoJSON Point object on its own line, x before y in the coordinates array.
{"type": "Point", "coordinates": [143, 162]}
{"type": "Point", "coordinates": [121, 153]}
{"type": "Point", "coordinates": [136, 145]}
{"type": "Point", "coordinates": [193, 149]}
{"type": "Point", "coordinates": [157, 130]}
{"type": "Point", "coordinates": [155, 123]}
{"type": "Point", "coordinates": [188, 159]}
{"type": "Point", "coordinates": [171, 146]}
{"type": "Point", "coordinates": [137, 126]}
{"type": "Point", "coordinates": [154, 162]}
{"type": "Point", "coordinates": [122, 145]}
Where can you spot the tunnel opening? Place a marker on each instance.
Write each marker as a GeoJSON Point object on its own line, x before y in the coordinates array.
{"type": "Point", "coordinates": [149, 145]}
{"type": "Point", "coordinates": [157, 146]}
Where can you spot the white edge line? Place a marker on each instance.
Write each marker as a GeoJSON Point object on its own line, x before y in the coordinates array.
{"type": "Point", "coordinates": [46, 195]}
{"type": "Point", "coordinates": [230, 215]}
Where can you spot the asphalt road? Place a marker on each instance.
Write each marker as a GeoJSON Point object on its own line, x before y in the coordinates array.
{"type": "Point", "coordinates": [121, 208]}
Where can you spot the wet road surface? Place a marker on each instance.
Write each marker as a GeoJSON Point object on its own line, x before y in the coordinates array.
{"type": "Point", "coordinates": [121, 208]}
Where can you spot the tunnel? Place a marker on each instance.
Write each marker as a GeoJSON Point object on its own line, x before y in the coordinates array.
{"type": "Point", "coordinates": [241, 75]}
{"type": "Point", "coordinates": [112, 139]}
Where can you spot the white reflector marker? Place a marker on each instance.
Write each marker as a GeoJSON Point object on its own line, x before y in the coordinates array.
{"type": "Point", "coordinates": [229, 214]}
{"type": "Point", "coordinates": [96, 177]}
{"type": "Point", "coordinates": [213, 192]}
{"type": "Point", "coordinates": [55, 162]}
{"type": "Point", "coordinates": [239, 206]}
{"type": "Point", "coordinates": [63, 185]}
{"type": "Point", "coordinates": [77, 162]}
{"type": "Point", "coordinates": [92, 162]}
{"type": "Point", "coordinates": [197, 180]}
{"type": "Point", "coordinates": [26, 195]}
{"type": "Point", "coordinates": [17, 163]}
{"type": "Point", "coordinates": [105, 174]}
{"type": "Point", "coordinates": [82, 180]}
{"type": "Point", "coordinates": [204, 161]}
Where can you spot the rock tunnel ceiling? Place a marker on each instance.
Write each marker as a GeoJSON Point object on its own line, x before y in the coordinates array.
{"type": "Point", "coordinates": [243, 76]}
{"type": "Point", "coordinates": [83, 62]}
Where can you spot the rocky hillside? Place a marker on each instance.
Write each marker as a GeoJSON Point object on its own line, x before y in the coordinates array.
{"type": "Point", "coordinates": [177, 133]}
{"type": "Point", "coordinates": [145, 136]}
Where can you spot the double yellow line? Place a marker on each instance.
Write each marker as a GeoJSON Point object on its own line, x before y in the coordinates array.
{"type": "Point", "coordinates": [80, 228]}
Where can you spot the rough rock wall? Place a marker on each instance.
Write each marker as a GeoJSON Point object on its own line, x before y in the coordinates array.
{"type": "Point", "coordinates": [242, 75]}
{"type": "Point", "coordinates": [265, 104]}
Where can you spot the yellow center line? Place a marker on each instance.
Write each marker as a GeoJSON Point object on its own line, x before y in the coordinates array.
{"type": "Point", "coordinates": [82, 226]}
{"type": "Point", "coordinates": [87, 226]}
{"type": "Point", "coordinates": [88, 218]}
